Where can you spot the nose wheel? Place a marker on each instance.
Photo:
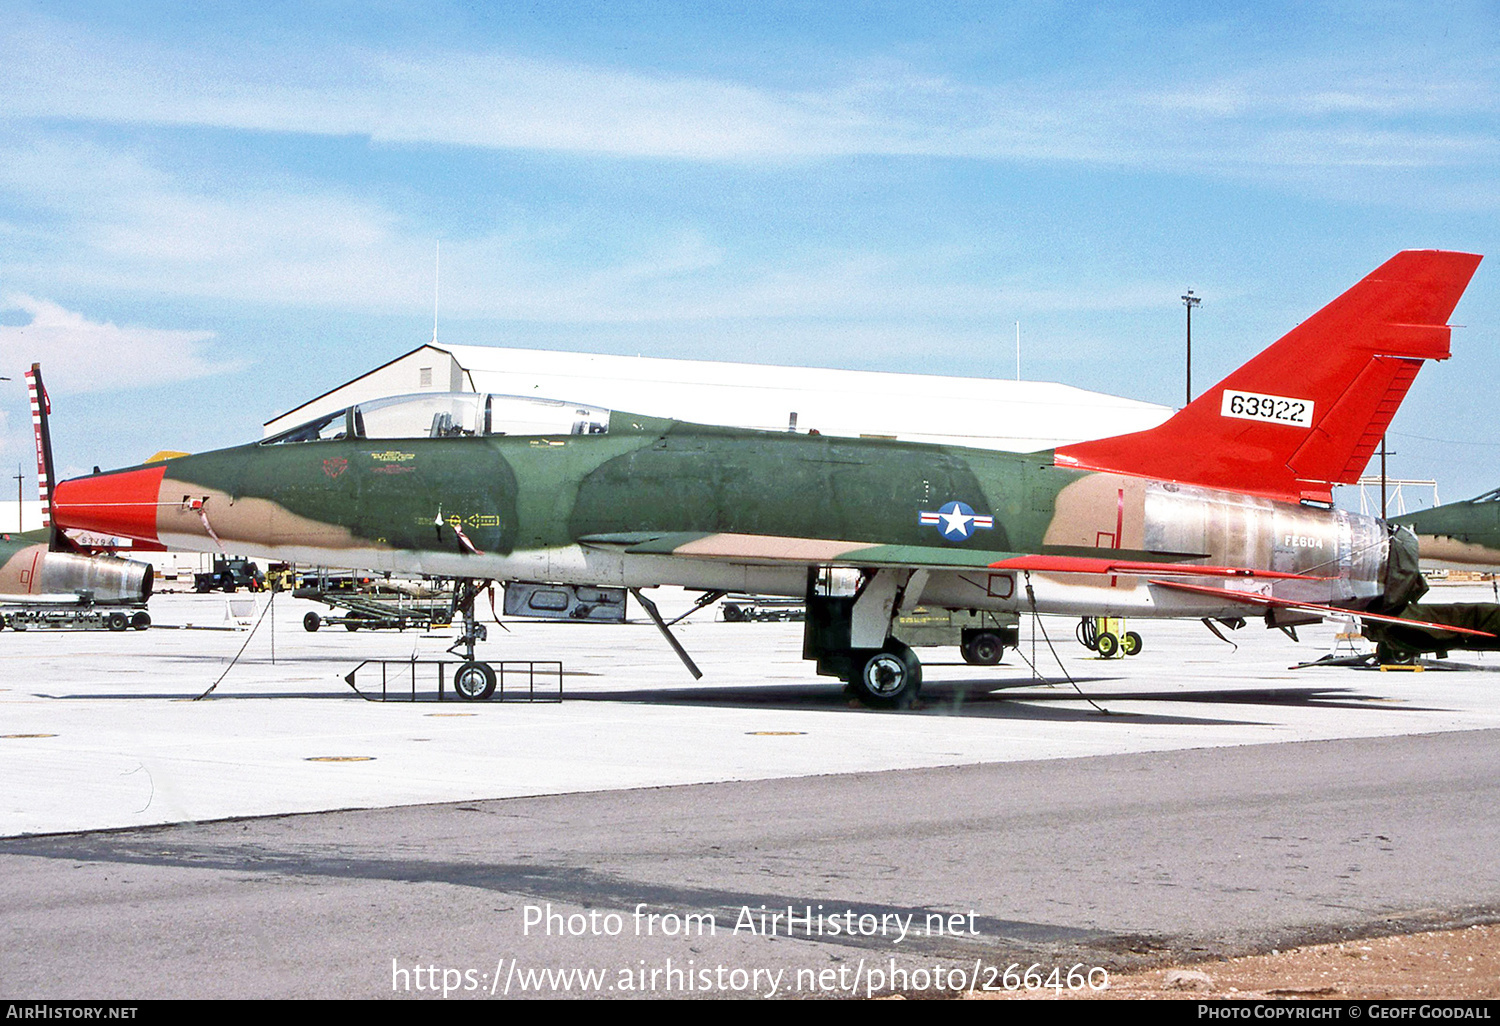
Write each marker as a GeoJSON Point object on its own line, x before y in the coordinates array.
{"type": "Point", "coordinates": [474, 682]}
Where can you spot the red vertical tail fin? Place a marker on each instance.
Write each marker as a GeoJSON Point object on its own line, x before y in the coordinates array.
{"type": "Point", "coordinates": [41, 407]}
{"type": "Point", "coordinates": [1309, 410]}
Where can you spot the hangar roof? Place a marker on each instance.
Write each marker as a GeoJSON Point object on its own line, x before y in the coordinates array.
{"type": "Point", "coordinates": [1019, 416]}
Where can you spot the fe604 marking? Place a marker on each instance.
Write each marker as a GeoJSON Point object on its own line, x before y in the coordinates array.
{"type": "Point", "coordinates": [1278, 409]}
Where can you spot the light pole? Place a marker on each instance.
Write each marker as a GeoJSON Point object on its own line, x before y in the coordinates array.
{"type": "Point", "coordinates": [1383, 455]}
{"type": "Point", "coordinates": [1190, 301]}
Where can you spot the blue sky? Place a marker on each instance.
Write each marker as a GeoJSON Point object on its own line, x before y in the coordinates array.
{"type": "Point", "coordinates": [212, 212]}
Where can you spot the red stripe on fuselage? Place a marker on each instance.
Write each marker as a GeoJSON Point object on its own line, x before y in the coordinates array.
{"type": "Point", "coordinates": [123, 504]}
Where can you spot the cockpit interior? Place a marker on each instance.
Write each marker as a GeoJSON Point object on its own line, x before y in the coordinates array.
{"type": "Point", "coordinates": [450, 415]}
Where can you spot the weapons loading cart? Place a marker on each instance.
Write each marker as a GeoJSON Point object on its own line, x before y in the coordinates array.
{"type": "Point", "coordinates": [376, 606]}
{"type": "Point", "coordinates": [83, 616]}
{"type": "Point", "coordinates": [743, 608]}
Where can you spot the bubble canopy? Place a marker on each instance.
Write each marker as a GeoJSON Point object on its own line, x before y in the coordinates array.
{"type": "Point", "coordinates": [450, 415]}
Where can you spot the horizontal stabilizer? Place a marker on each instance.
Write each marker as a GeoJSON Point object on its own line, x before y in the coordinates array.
{"type": "Point", "coordinates": [1271, 602]}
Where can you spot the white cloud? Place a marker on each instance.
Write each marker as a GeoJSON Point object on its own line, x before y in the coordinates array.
{"type": "Point", "coordinates": [118, 224]}
{"type": "Point", "coordinates": [1203, 120]}
{"type": "Point", "coordinates": [114, 221]}
{"type": "Point", "coordinates": [111, 219]}
{"type": "Point", "coordinates": [80, 355]}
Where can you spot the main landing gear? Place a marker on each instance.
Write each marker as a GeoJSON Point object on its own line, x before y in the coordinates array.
{"type": "Point", "coordinates": [474, 680]}
{"type": "Point", "coordinates": [890, 677]}
{"type": "Point", "coordinates": [849, 636]}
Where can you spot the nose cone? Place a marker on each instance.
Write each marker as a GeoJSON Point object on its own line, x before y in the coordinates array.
{"type": "Point", "coordinates": [122, 504]}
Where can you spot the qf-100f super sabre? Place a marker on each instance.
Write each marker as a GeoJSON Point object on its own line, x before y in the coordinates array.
{"type": "Point", "coordinates": [1225, 508]}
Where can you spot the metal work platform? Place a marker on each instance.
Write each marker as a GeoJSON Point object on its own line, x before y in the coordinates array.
{"type": "Point", "coordinates": [516, 680]}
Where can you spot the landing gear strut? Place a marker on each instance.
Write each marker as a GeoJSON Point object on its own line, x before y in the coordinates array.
{"type": "Point", "coordinates": [473, 681]}
{"type": "Point", "coordinates": [849, 637]}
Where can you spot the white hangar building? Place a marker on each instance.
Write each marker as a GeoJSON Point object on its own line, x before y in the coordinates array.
{"type": "Point", "coordinates": [1019, 416]}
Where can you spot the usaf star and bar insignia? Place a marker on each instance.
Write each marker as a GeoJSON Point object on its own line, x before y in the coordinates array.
{"type": "Point", "coordinates": [956, 521]}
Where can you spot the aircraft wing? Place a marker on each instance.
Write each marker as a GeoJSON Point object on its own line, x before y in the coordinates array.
{"type": "Point", "coordinates": [771, 550]}
{"type": "Point", "coordinates": [774, 549]}
{"type": "Point", "coordinates": [1049, 564]}
{"type": "Point", "coordinates": [1269, 601]}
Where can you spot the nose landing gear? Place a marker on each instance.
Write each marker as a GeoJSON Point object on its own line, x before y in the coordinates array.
{"type": "Point", "coordinates": [474, 680]}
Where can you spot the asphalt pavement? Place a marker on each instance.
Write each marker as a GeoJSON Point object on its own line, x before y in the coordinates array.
{"type": "Point", "coordinates": [287, 837]}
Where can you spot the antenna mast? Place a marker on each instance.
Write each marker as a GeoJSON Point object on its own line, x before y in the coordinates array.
{"type": "Point", "coordinates": [437, 261]}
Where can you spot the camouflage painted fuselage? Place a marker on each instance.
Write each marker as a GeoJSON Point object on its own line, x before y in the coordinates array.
{"type": "Point", "coordinates": [1461, 534]}
{"type": "Point", "coordinates": [659, 502]}
{"type": "Point", "coordinates": [30, 571]}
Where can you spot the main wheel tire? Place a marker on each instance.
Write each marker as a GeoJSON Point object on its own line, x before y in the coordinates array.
{"type": "Point", "coordinates": [888, 678]}
{"type": "Point", "coordinates": [1388, 655]}
{"type": "Point", "coordinates": [140, 621]}
{"type": "Point", "coordinates": [116, 621]}
{"type": "Point", "coordinates": [983, 649]}
{"type": "Point", "coordinates": [474, 682]}
{"type": "Point", "coordinates": [1131, 644]}
{"type": "Point", "coordinates": [311, 622]}
{"type": "Point", "coordinates": [1107, 646]}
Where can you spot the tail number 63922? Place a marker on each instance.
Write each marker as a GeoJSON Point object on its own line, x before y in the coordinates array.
{"type": "Point", "coordinates": [1278, 409]}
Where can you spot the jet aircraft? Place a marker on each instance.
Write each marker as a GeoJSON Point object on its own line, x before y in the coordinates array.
{"type": "Point", "coordinates": [1460, 533]}
{"type": "Point", "coordinates": [1224, 509]}
{"type": "Point", "coordinates": [32, 572]}
{"type": "Point", "coordinates": [35, 569]}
